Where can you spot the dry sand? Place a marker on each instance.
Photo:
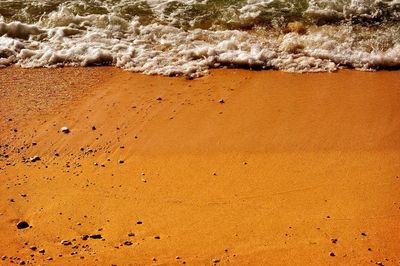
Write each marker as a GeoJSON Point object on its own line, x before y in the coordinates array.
{"type": "Point", "coordinates": [290, 168]}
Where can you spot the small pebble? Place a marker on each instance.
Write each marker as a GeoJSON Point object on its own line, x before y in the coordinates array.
{"type": "Point", "coordinates": [128, 243]}
{"type": "Point", "coordinates": [22, 225]}
{"type": "Point", "coordinates": [65, 130]}
{"type": "Point", "coordinates": [66, 242]}
{"type": "Point", "coordinates": [96, 236]}
{"type": "Point", "coordinates": [332, 254]}
{"type": "Point", "coordinates": [34, 159]}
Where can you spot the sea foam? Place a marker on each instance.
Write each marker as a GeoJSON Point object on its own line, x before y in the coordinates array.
{"type": "Point", "coordinates": [65, 36]}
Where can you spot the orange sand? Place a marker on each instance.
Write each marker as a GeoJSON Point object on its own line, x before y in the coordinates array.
{"type": "Point", "coordinates": [271, 176]}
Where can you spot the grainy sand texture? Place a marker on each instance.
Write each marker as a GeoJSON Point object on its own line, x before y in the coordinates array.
{"type": "Point", "coordinates": [234, 168]}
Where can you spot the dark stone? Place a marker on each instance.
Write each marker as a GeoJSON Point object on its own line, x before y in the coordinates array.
{"type": "Point", "coordinates": [96, 236]}
{"type": "Point", "coordinates": [332, 254]}
{"type": "Point", "coordinates": [128, 243]}
{"type": "Point", "coordinates": [22, 225]}
{"type": "Point", "coordinates": [66, 242]}
{"type": "Point", "coordinates": [34, 159]}
{"type": "Point", "coordinates": [65, 130]}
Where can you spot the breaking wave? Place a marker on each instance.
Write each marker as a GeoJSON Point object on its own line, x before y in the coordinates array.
{"type": "Point", "coordinates": [189, 37]}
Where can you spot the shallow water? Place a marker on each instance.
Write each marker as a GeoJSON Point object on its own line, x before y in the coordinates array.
{"type": "Point", "coordinates": [189, 37]}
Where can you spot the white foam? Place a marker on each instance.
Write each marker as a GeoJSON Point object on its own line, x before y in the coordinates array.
{"type": "Point", "coordinates": [67, 39]}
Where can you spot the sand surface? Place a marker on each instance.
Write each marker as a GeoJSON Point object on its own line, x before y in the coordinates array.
{"type": "Point", "coordinates": [290, 169]}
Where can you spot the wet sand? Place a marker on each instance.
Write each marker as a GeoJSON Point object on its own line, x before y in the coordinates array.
{"type": "Point", "coordinates": [238, 167]}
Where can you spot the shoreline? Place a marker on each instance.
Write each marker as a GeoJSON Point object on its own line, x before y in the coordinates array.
{"type": "Point", "coordinates": [287, 170]}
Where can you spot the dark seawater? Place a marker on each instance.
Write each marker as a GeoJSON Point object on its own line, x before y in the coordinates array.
{"type": "Point", "coordinates": [189, 37]}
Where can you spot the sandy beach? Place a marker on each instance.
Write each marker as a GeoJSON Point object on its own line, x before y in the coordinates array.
{"type": "Point", "coordinates": [234, 168]}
